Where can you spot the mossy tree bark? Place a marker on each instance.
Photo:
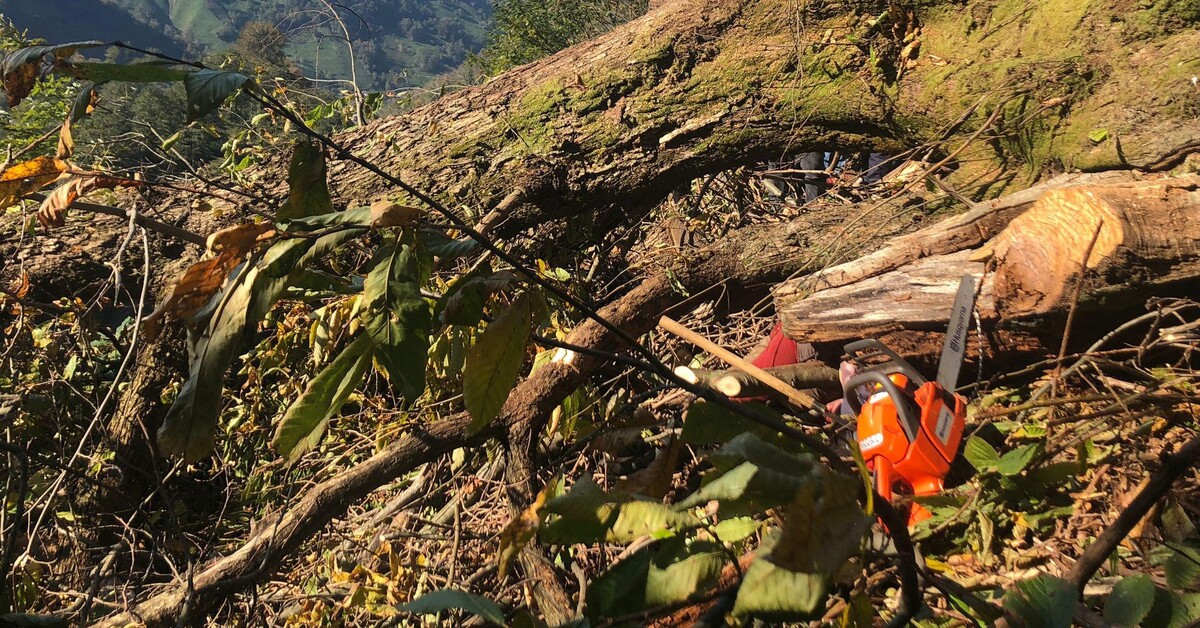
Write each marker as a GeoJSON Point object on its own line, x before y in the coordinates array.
{"type": "Point", "coordinates": [606, 129]}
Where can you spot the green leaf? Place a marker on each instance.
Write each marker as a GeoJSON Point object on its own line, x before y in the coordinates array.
{"type": "Point", "coordinates": [171, 141]}
{"type": "Point", "coordinates": [1130, 601]}
{"type": "Point", "coordinates": [494, 363]}
{"type": "Point", "coordinates": [305, 421]}
{"type": "Point", "coordinates": [255, 286]}
{"type": "Point", "coordinates": [681, 570]}
{"type": "Point", "coordinates": [752, 474]}
{"type": "Point", "coordinates": [1173, 610]}
{"type": "Point", "coordinates": [397, 318]}
{"type": "Point", "coordinates": [980, 454]}
{"type": "Point", "coordinates": [126, 73]}
{"type": "Point", "coordinates": [621, 589]}
{"type": "Point", "coordinates": [83, 100]}
{"type": "Point", "coordinates": [208, 89]}
{"type": "Point", "coordinates": [1098, 135]}
{"type": "Point", "coordinates": [447, 599]}
{"type": "Point", "coordinates": [1043, 601]}
{"type": "Point", "coordinates": [1183, 567]}
{"type": "Point", "coordinates": [776, 594]}
{"type": "Point", "coordinates": [444, 247]}
{"type": "Point", "coordinates": [1015, 461]}
{"type": "Point", "coordinates": [735, 529]}
{"type": "Point", "coordinates": [587, 514]}
{"type": "Point", "coordinates": [308, 186]}
{"type": "Point", "coordinates": [189, 426]}
{"type": "Point", "coordinates": [358, 217]}
{"type": "Point", "coordinates": [708, 423]}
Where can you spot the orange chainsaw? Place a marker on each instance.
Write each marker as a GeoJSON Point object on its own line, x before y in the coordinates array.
{"type": "Point", "coordinates": [909, 428]}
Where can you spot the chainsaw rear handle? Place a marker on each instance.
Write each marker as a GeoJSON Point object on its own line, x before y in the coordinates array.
{"type": "Point", "coordinates": [861, 350]}
{"type": "Point", "coordinates": [909, 420]}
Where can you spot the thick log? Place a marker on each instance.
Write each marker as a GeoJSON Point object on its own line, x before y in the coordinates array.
{"type": "Point", "coordinates": [608, 128]}
{"type": "Point", "coordinates": [1146, 241]}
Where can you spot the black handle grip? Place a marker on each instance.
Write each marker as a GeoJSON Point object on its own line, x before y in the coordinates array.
{"type": "Point", "coordinates": [909, 421]}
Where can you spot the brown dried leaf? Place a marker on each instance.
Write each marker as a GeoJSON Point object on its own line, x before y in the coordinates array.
{"type": "Point", "coordinates": [19, 83]}
{"type": "Point", "coordinates": [655, 479]}
{"type": "Point", "coordinates": [388, 214]}
{"type": "Point", "coordinates": [28, 176]}
{"type": "Point", "coordinates": [66, 142]}
{"type": "Point", "coordinates": [53, 212]}
{"type": "Point", "coordinates": [203, 279]}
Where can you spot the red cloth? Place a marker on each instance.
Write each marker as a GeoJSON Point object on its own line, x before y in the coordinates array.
{"type": "Point", "coordinates": [780, 350]}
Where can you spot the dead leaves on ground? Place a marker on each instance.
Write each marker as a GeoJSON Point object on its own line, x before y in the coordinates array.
{"type": "Point", "coordinates": [226, 249]}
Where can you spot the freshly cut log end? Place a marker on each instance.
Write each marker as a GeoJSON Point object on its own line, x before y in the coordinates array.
{"type": "Point", "coordinates": [1140, 231]}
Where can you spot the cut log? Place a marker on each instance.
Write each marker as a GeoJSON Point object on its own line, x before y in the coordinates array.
{"type": "Point", "coordinates": [733, 383]}
{"type": "Point", "coordinates": [1148, 243]}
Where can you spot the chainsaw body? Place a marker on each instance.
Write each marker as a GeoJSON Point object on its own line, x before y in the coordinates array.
{"type": "Point", "coordinates": [908, 429]}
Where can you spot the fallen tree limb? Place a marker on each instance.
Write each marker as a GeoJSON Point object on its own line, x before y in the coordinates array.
{"type": "Point", "coordinates": [734, 383]}
{"type": "Point", "coordinates": [1174, 466]}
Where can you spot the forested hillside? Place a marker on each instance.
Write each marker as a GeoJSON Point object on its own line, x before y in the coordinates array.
{"type": "Point", "coordinates": [399, 42]}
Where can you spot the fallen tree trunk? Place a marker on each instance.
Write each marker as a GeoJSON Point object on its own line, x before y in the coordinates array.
{"type": "Point", "coordinates": [753, 255]}
{"type": "Point", "coordinates": [608, 128]}
{"type": "Point", "coordinates": [1145, 240]}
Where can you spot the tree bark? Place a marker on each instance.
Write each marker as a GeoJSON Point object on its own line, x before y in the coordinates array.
{"type": "Point", "coordinates": [606, 129]}
{"type": "Point", "coordinates": [1145, 241]}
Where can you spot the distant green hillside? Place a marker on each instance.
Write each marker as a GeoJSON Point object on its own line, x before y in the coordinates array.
{"type": "Point", "coordinates": [397, 42]}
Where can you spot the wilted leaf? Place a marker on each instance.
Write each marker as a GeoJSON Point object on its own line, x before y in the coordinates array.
{"type": "Point", "coordinates": [305, 421]}
{"type": "Point", "coordinates": [494, 362]}
{"type": "Point", "coordinates": [752, 474]}
{"type": "Point", "coordinates": [53, 211]}
{"type": "Point", "coordinates": [308, 186]}
{"type": "Point", "coordinates": [66, 143]}
{"type": "Point", "coordinates": [1043, 601]}
{"type": "Point", "coordinates": [397, 317]}
{"type": "Point", "coordinates": [22, 67]}
{"type": "Point", "coordinates": [655, 479]}
{"type": "Point", "coordinates": [385, 214]}
{"type": "Point", "coordinates": [520, 530]}
{"type": "Point", "coordinates": [448, 599]}
{"type": "Point", "coordinates": [735, 529]}
{"type": "Point", "coordinates": [208, 89]}
{"type": "Point", "coordinates": [1130, 601]}
{"type": "Point", "coordinates": [227, 248]}
{"type": "Point", "coordinates": [28, 176]}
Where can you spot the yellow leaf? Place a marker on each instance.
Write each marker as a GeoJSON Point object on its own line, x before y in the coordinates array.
{"type": "Point", "coordinates": [28, 176]}
{"type": "Point", "coordinates": [520, 530]}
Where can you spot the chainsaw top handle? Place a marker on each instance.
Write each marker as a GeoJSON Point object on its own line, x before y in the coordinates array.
{"type": "Point", "coordinates": [910, 421]}
{"type": "Point", "coordinates": [863, 350]}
